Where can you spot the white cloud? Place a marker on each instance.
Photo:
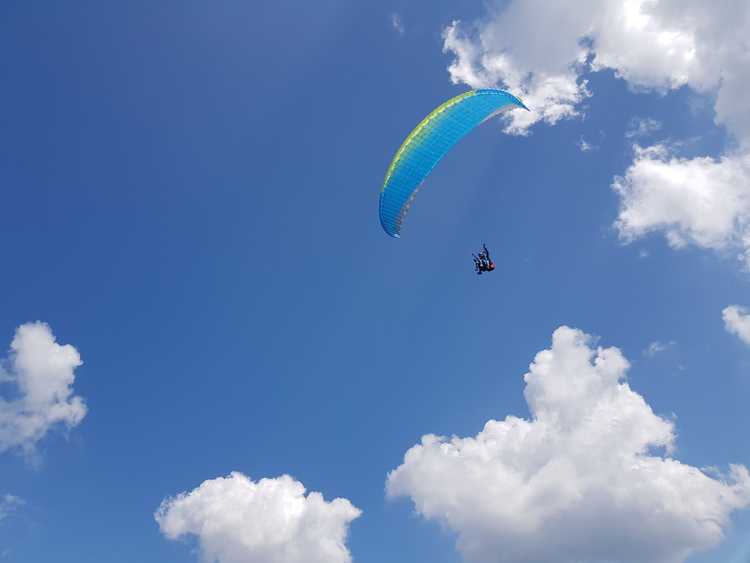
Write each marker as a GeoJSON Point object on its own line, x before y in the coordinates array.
{"type": "Point", "coordinates": [659, 347]}
{"type": "Point", "coordinates": [398, 23]}
{"type": "Point", "coordinates": [641, 126]}
{"type": "Point", "coordinates": [8, 504]}
{"type": "Point", "coordinates": [585, 146]}
{"type": "Point", "coordinates": [702, 201]}
{"type": "Point", "coordinates": [40, 374]}
{"type": "Point", "coordinates": [652, 44]}
{"type": "Point", "coordinates": [551, 91]}
{"type": "Point", "coordinates": [239, 521]}
{"type": "Point", "coordinates": [580, 481]}
{"type": "Point", "coordinates": [543, 49]}
{"type": "Point", "coordinates": [737, 321]}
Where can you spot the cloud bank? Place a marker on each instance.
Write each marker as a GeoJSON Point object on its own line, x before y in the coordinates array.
{"type": "Point", "coordinates": [37, 383]}
{"type": "Point", "coordinates": [542, 50]}
{"type": "Point", "coordinates": [237, 520]}
{"type": "Point", "coordinates": [580, 481]}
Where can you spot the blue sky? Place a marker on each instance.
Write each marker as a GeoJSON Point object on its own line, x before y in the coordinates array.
{"type": "Point", "coordinates": [198, 298]}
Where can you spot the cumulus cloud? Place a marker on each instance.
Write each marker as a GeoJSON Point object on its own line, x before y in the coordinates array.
{"type": "Point", "coordinates": [542, 50]}
{"type": "Point", "coordinates": [737, 321]}
{"type": "Point", "coordinates": [657, 45]}
{"type": "Point", "coordinates": [580, 481]}
{"type": "Point", "coordinates": [499, 52]}
{"type": "Point", "coordinates": [703, 201]}
{"type": "Point", "coordinates": [237, 520]}
{"type": "Point", "coordinates": [38, 376]}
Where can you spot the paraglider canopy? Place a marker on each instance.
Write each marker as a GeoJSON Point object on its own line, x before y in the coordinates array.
{"type": "Point", "coordinates": [429, 142]}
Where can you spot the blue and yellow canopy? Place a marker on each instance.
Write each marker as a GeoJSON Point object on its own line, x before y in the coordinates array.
{"type": "Point", "coordinates": [429, 142]}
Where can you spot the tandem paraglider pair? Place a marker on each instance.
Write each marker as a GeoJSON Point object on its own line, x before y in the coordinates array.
{"type": "Point", "coordinates": [427, 144]}
{"type": "Point", "coordinates": [482, 263]}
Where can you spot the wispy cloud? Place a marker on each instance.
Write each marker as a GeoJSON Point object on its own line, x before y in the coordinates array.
{"type": "Point", "coordinates": [642, 126]}
{"type": "Point", "coordinates": [579, 481]}
{"type": "Point", "coordinates": [8, 504]}
{"type": "Point", "coordinates": [398, 23]}
{"type": "Point", "coordinates": [659, 347]}
{"type": "Point", "coordinates": [587, 146]}
{"type": "Point", "coordinates": [39, 373]}
{"type": "Point", "coordinates": [237, 520]}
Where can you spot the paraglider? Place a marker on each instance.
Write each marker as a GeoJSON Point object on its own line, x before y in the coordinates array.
{"type": "Point", "coordinates": [482, 263]}
{"type": "Point", "coordinates": [429, 142]}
